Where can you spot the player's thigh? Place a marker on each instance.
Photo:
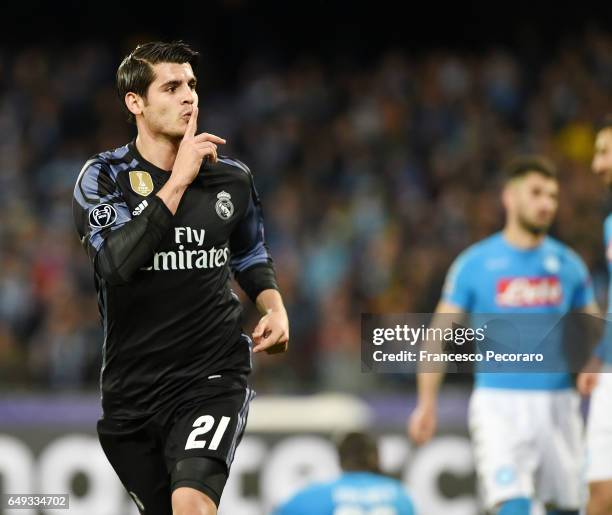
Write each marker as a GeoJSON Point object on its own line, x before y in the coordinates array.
{"type": "Point", "coordinates": [139, 462]}
{"type": "Point", "coordinates": [202, 441]}
{"type": "Point", "coordinates": [599, 432]}
{"type": "Point", "coordinates": [560, 477]}
{"type": "Point", "coordinates": [504, 456]}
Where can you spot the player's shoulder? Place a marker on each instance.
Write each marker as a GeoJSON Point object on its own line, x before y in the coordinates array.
{"type": "Point", "coordinates": [552, 244]}
{"type": "Point", "coordinates": [402, 497]}
{"type": "Point", "coordinates": [568, 255]}
{"type": "Point", "coordinates": [98, 176]}
{"type": "Point", "coordinates": [608, 225]}
{"type": "Point", "coordinates": [318, 494]}
{"type": "Point", "coordinates": [318, 489]}
{"type": "Point", "coordinates": [374, 479]}
{"type": "Point", "coordinates": [236, 168]}
{"type": "Point", "coordinates": [389, 487]}
{"type": "Point", "coordinates": [479, 250]}
{"type": "Point", "coordinates": [106, 164]}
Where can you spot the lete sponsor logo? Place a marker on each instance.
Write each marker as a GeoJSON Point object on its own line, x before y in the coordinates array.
{"type": "Point", "coordinates": [528, 291]}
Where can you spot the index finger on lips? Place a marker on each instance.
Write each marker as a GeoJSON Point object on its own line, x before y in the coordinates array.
{"type": "Point", "coordinates": [192, 124]}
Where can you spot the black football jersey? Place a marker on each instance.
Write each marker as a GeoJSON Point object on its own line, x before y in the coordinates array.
{"type": "Point", "coordinates": [175, 320]}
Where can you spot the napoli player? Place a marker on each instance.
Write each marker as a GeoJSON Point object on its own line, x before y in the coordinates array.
{"type": "Point", "coordinates": [360, 490]}
{"type": "Point", "coordinates": [599, 427]}
{"type": "Point", "coordinates": [526, 428]}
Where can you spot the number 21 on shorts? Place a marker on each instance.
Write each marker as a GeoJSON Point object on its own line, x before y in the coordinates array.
{"type": "Point", "coordinates": [203, 425]}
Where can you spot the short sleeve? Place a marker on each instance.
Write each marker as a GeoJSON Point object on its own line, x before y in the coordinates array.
{"type": "Point", "coordinates": [458, 286]}
{"type": "Point", "coordinates": [582, 294]}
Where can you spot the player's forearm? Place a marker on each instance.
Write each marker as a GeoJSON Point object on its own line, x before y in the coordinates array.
{"type": "Point", "coordinates": [428, 386]}
{"type": "Point", "coordinates": [591, 309]}
{"type": "Point", "coordinates": [172, 192]}
{"type": "Point", "coordinates": [270, 301]}
{"type": "Point", "coordinates": [256, 279]}
{"type": "Point", "coordinates": [429, 382]}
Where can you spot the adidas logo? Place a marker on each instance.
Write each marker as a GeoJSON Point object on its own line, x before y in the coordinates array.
{"type": "Point", "coordinates": [140, 208]}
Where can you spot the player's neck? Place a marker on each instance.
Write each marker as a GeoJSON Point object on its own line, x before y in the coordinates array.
{"type": "Point", "coordinates": [157, 149]}
{"type": "Point", "coordinates": [520, 238]}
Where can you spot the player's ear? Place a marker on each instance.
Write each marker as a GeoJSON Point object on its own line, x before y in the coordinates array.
{"type": "Point", "coordinates": [134, 103]}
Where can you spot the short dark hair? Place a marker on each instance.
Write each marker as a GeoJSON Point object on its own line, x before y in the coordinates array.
{"type": "Point", "coordinates": [135, 73]}
{"type": "Point", "coordinates": [358, 452]}
{"type": "Point", "coordinates": [521, 166]}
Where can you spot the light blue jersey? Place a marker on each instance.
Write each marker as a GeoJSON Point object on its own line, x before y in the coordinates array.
{"type": "Point", "coordinates": [354, 493]}
{"type": "Point", "coordinates": [604, 351]}
{"type": "Point", "coordinates": [608, 245]}
{"type": "Point", "coordinates": [492, 276]}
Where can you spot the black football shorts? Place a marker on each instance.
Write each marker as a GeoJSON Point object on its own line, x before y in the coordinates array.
{"type": "Point", "coordinates": [191, 445]}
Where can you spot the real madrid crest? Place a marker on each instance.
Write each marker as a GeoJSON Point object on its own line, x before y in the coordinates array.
{"type": "Point", "coordinates": [224, 206]}
{"type": "Point", "coordinates": [141, 183]}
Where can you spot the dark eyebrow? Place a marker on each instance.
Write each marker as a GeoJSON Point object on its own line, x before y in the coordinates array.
{"type": "Point", "coordinates": [176, 83]}
{"type": "Point", "coordinates": [170, 83]}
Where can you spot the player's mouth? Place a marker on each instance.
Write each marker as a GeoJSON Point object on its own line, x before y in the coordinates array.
{"type": "Point", "coordinates": [186, 115]}
{"type": "Point", "coordinates": [545, 221]}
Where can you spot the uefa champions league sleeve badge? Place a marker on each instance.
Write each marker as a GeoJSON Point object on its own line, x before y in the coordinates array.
{"type": "Point", "coordinates": [102, 216]}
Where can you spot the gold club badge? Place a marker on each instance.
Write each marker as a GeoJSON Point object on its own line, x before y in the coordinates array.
{"type": "Point", "coordinates": [141, 183]}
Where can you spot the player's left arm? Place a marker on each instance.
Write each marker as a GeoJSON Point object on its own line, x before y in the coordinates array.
{"type": "Point", "coordinates": [253, 268]}
{"type": "Point", "coordinates": [583, 295]}
{"type": "Point", "coordinates": [584, 302]}
{"type": "Point", "coordinates": [589, 375]}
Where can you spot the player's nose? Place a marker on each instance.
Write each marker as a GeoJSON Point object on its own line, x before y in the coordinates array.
{"type": "Point", "coordinates": [597, 167]}
{"type": "Point", "coordinates": [548, 206]}
{"type": "Point", "coordinates": [189, 96]}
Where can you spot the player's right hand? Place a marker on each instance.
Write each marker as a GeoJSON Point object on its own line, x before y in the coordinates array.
{"type": "Point", "coordinates": [193, 150]}
{"type": "Point", "coordinates": [422, 424]}
{"type": "Point", "coordinates": [586, 382]}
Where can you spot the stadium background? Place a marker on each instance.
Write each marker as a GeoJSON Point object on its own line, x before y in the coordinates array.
{"type": "Point", "coordinates": [376, 139]}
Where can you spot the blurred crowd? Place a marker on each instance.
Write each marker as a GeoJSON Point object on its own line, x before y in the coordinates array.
{"type": "Point", "coordinates": [372, 177]}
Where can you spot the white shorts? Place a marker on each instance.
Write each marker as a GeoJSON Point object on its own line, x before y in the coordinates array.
{"type": "Point", "coordinates": [528, 443]}
{"type": "Point", "coordinates": [599, 431]}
